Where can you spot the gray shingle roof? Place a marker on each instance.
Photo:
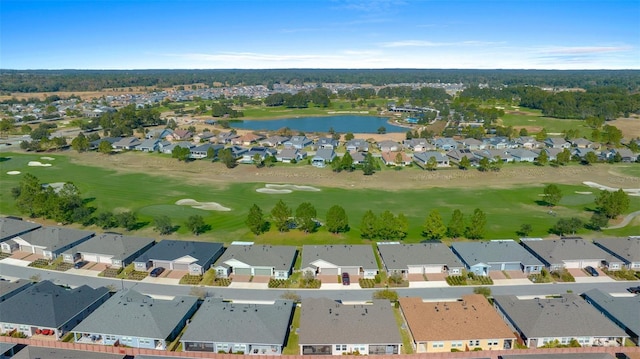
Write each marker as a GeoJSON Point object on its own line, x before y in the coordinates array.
{"type": "Point", "coordinates": [278, 257]}
{"type": "Point", "coordinates": [626, 249]}
{"type": "Point", "coordinates": [400, 256]}
{"type": "Point", "coordinates": [47, 305]}
{"type": "Point", "coordinates": [340, 255]}
{"type": "Point", "coordinates": [558, 250]}
{"type": "Point", "coordinates": [10, 228]}
{"type": "Point", "coordinates": [131, 313]}
{"type": "Point", "coordinates": [242, 323]}
{"type": "Point", "coordinates": [625, 310]}
{"type": "Point", "coordinates": [568, 316]}
{"type": "Point", "coordinates": [9, 289]}
{"type": "Point", "coordinates": [494, 252]}
{"type": "Point", "coordinates": [324, 321]}
{"type": "Point", "coordinates": [54, 238]}
{"type": "Point", "coordinates": [117, 245]}
{"type": "Point", "coordinates": [168, 250]}
{"type": "Point", "coordinates": [31, 352]}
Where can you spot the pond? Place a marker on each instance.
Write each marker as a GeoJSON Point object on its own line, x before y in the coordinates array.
{"type": "Point", "coordinates": [342, 124]}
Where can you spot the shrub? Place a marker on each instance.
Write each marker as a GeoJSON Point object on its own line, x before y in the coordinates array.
{"type": "Point", "coordinates": [389, 294]}
{"type": "Point", "coordinates": [367, 283]}
{"type": "Point", "coordinates": [278, 283]}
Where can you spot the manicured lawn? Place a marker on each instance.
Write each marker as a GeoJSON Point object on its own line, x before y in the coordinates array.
{"type": "Point", "coordinates": [263, 112]}
{"type": "Point", "coordinates": [293, 347]}
{"type": "Point", "coordinates": [534, 118]}
{"type": "Point", "coordinates": [150, 195]}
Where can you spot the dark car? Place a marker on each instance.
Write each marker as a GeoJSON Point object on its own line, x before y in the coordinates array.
{"type": "Point", "coordinates": [635, 290]}
{"type": "Point", "coordinates": [345, 279]}
{"type": "Point", "coordinates": [157, 271]}
{"type": "Point", "coordinates": [79, 264]}
{"type": "Point", "coordinates": [592, 271]}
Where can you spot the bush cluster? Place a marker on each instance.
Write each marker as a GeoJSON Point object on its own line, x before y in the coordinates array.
{"type": "Point", "coordinates": [367, 283]}
{"type": "Point", "coordinates": [278, 283]}
{"type": "Point", "coordinates": [191, 279]}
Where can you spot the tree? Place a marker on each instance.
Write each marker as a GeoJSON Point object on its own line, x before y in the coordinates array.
{"type": "Point", "coordinates": [281, 215]}
{"type": "Point", "coordinates": [347, 162]}
{"type": "Point", "coordinates": [337, 220]}
{"type": "Point", "coordinates": [590, 158]}
{"type": "Point", "coordinates": [382, 130]}
{"type": "Point", "coordinates": [369, 225]}
{"type": "Point", "coordinates": [181, 153]}
{"type": "Point", "coordinates": [455, 228]}
{"type": "Point", "coordinates": [475, 229]}
{"type": "Point", "coordinates": [612, 204]}
{"type": "Point", "coordinates": [196, 224]}
{"type": "Point", "coordinates": [567, 225]}
{"type": "Point", "coordinates": [485, 291]}
{"type": "Point", "coordinates": [552, 195]}
{"type": "Point", "coordinates": [543, 158]}
{"type": "Point", "coordinates": [106, 220]}
{"type": "Point", "coordinates": [127, 220]}
{"type": "Point", "coordinates": [496, 164]}
{"type": "Point", "coordinates": [163, 225]}
{"type": "Point", "coordinates": [6, 125]}
{"type": "Point", "coordinates": [598, 220]}
{"type": "Point", "coordinates": [431, 164]}
{"type": "Point", "coordinates": [105, 147]}
{"type": "Point", "coordinates": [226, 156]}
{"type": "Point", "coordinates": [368, 167]}
{"type": "Point", "coordinates": [255, 220]}
{"type": "Point", "coordinates": [348, 136]}
{"type": "Point", "coordinates": [306, 217]}
{"type": "Point", "coordinates": [402, 227]}
{"type": "Point", "coordinates": [563, 157]}
{"type": "Point", "coordinates": [484, 164]}
{"type": "Point", "coordinates": [465, 163]}
{"type": "Point", "coordinates": [525, 230]}
{"type": "Point", "coordinates": [80, 143]}
{"type": "Point", "coordinates": [433, 227]}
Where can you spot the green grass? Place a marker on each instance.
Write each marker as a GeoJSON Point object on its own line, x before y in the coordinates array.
{"type": "Point", "coordinates": [407, 347]}
{"type": "Point", "coordinates": [263, 112]}
{"type": "Point", "coordinates": [150, 195]}
{"type": "Point", "coordinates": [292, 347]}
{"type": "Point", "coordinates": [552, 125]}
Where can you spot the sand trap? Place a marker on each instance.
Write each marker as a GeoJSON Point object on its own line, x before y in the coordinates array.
{"type": "Point", "coordinates": [629, 191]}
{"type": "Point", "coordinates": [13, 173]}
{"type": "Point", "coordinates": [579, 192]}
{"type": "Point", "coordinates": [207, 206]}
{"type": "Point", "coordinates": [273, 191]}
{"type": "Point", "coordinates": [47, 158]}
{"type": "Point", "coordinates": [38, 164]}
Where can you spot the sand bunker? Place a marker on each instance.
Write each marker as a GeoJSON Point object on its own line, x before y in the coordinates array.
{"type": "Point", "coordinates": [580, 192]}
{"type": "Point", "coordinates": [38, 164]}
{"type": "Point", "coordinates": [13, 173]}
{"type": "Point", "coordinates": [47, 158]}
{"type": "Point", "coordinates": [207, 206]}
{"type": "Point", "coordinates": [629, 191]}
{"type": "Point", "coordinates": [285, 188]}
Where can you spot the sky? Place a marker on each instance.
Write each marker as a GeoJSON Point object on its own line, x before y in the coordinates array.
{"type": "Point", "coordinates": [350, 34]}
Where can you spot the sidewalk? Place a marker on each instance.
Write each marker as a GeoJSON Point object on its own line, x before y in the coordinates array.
{"type": "Point", "coordinates": [248, 285]}
{"type": "Point", "coordinates": [16, 262]}
{"type": "Point", "coordinates": [428, 284]}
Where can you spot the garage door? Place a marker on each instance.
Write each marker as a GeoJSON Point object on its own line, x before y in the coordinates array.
{"type": "Point", "coordinates": [432, 269]}
{"type": "Point", "coordinates": [90, 257]}
{"type": "Point", "coordinates": [415, 270]}
{"type": "Point", "coordinates": [572, 264]}
{"type": "Point", "coordinates": [594, 264]}
{"type": "Point", "coordinates": [181, 266]}
{"type": "Point", "coordinates": [25, 248]}
{"type": "Point", "coordinates": [511, 266]}
{"type": "Point", "coordinates": [329, 271]}
{"type": "Point", "coordinates": [164, 264]}
{"type": "Point", "coordinates": [262, 271]}
{"type": "Point", "coordinates": [104, 259]}
{"type": "Point", "coordinates": [351, 270]}
{"type": "Point", "coordinates": [242, 271]}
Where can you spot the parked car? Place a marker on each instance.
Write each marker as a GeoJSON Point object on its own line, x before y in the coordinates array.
{"type": "Point", "coordinates": [345, 279]}
{"type": "Point", "coordinates": [592, 271]}
{"type": "Point", "coordinates": [157, 271]}
{"type": "Point", "coordinates": [635, 290]}
{"type": "Point", "coordinates": [79, 264]}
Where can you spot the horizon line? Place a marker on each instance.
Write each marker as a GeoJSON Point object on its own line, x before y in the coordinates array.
{"type": "Point", "coordinates": [322, 68]}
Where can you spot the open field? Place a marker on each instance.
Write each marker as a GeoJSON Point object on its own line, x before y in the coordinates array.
{"type": "Point", "coordinates": [533, 121]}
{"type": "Point", "coordinates": [151, 184]}
{"type": "Point", "coordinates": [268, 113]}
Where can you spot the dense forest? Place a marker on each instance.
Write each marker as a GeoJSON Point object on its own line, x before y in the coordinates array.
{"type": "Point", "coordinates": [93, 80]}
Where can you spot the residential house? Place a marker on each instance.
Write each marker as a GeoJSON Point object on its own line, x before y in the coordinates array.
{"type": "Point", "coordinates": [158, 134]}
{"type": "Point", "coordinates": [225, 137]}
{"type": "Point", "coordinates": [170, 147]}
{"type": "Point", "coordinates": [126, 143]}
{"type": "Point", "coordinates": [493, 154]}
{"type": "Point", "coordinates": [202, 151]}
{"type": "Point", "coordinates": [527, 142]}
{"type": "Point", "coordinates": [49, 242]}
{"type": "Point", "coordinates": [552, 153]}
{"type": "Point", "coordinates": [93, 145]}
{"type": "Point", "coordinates": [250, 329]}
{"type": "Point", "coordinates": [298, 142]}
{"type": "Point", "coordinates": [389, 146]}
{"type": "Point", "coordinates": [289, 155]}
{"type": "Point", "coordinates": [148, 145]}
{"type": "Point", "coordinates": [419, 258]}
{"type": "Point", "coordinates": [256, 260]}
{"type": "Point", "coordinates": [237, 152]}
{"type": "Point", "coordinates": [623, 311]}
{"type": "Point", "coordinates": [581, 152]}
{"type": "Point", "coordinates": [47, 309]}
{"type": "Point", "coordinates": [446, 144]}
{"type": "Point", "coordinates": [114, 250]}
{"type": "Point", "coordinates": [357, 260]}
{"type": "Point", "coordinates": [247, 139]}
{"type": "Point", "coordinates": [398, 158]}
{"type": "Point", "coordinates": [422, 158]}
{"type": "Point", "coordinates": [273, 141]}
{"type": "Point", "coordinates": [12, 227]}
{"type": "Point", "coordinates": [180, 135]}
{"type": "Point", "coordinates": [194, 257]}
{"type": "Point", "coordinates": [625, 250]}
{"type": "Point", "coordinates": [204, 137]}
{"type": "Point", "coordinates": [358, 157]}
{"type": "Point", "coordinates": [458, 155]}
{"type": "Point", "coordinates": [10, 288]}
{"type": "Point", "coordinates": [626, 155]}
{"type": "Point", "coordinates": [484, 257]}
{"type": "Point", "coordinates": [542, 321]}
{"type": "Point", "coordinates": [472, 144]}
{"type": "Point", "coordinates": [135, 320]}
{"type": "Point", "coordinates": [262, 152]}
{"type": "Point", "coordinates": [581, 143]}
{"type": "Point", "coordinates": [465, 325]}
{"type": "Point", "coordinates": [357, 145]}
{"type": "Point", "coordinates": [323, 157]}
{"type": "Point", "coordinates": [556, 142]}
{"type": "Point", "coordinates": [498, 143]}
{"type": "Point", "coordinates": [327, 143]}
{"type": "Point", "coordinates": [522, 155]}
{"type": "Point", "coordinates": [569, 253]}
{"type": "Point", "coordinates": [328, 327]}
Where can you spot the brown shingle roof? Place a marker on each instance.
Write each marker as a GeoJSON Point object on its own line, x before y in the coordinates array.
{"type": "Point", "coordinates": [471, 318]}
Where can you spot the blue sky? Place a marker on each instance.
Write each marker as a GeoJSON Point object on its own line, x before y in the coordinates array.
{"type": "Point", "coordinates": [257, 34]}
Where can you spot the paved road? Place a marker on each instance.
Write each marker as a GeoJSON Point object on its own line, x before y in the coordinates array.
{"type": "Point", "coordinates": [155, 289]}
{"type": "Point", "coordinates": [625, 221]}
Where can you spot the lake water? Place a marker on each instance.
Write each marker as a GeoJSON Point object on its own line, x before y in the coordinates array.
{"type": "Point", "coordinates": [342, 124]}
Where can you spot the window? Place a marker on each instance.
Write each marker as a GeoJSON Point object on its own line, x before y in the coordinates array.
{"type": "Point", "coordinates": [437, 345]}
{"type": "Point", "coordinates": [337, 347]}
{"type": "Point", "coordinates": [344, 347]}
{"type": "Point", "coordinates": [456, 344]}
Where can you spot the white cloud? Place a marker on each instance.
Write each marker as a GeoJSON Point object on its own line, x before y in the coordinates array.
{"type": "Point", "coordinates": [584, 50]}
{"type": "Point", "coordinates": [424, 43]}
